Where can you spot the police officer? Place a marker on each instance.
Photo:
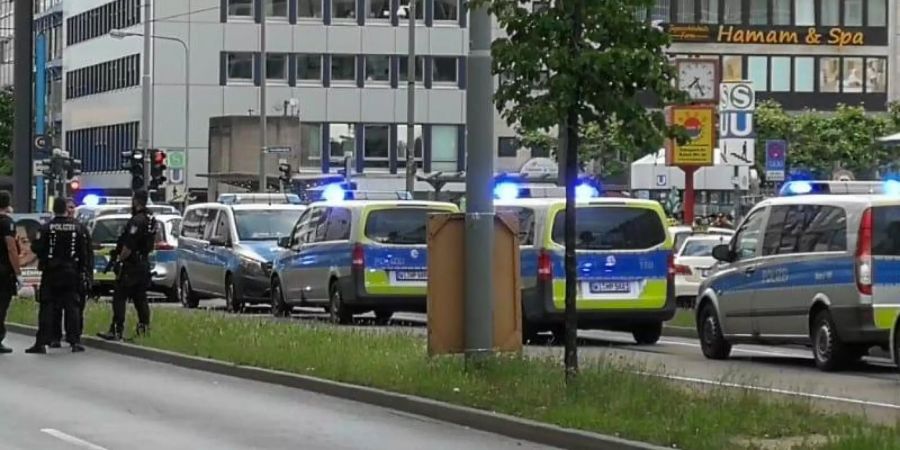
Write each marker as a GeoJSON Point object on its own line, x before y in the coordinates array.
{"type": "Point", "coordinates": [63, 254]}
{"type": "Point", "coordinates": [136, 243]}
{"type": "Point", "coordinates": [87, 280]}
{"type": "Point", "coordinates": [9, 263]}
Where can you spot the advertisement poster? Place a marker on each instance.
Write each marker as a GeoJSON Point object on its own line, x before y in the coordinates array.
{"type": "Point", "coordinates": [699, 123]}
{"type": "Point", "coordinates": [27, 228]}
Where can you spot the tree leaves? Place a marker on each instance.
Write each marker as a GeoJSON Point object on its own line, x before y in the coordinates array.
{"type": "Point", "coordinates": [6, 130]}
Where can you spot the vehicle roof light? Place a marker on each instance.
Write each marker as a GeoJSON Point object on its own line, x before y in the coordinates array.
{"type": "Point", "coordinates": [892, 187]}
{"type": "Point", "coordinates": [506, 190]}
{"type": "Point", "coordinates": [333, 193]}
{"type": "Point", "coordinates": [91, 200]}
{"type": "Point", "coordinates": [584, 191]}
{"type": "Point", "coordinates": [798, 187]}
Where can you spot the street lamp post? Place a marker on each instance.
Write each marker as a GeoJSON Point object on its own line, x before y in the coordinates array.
{"type": "Point", "coordinates": [121, 34]}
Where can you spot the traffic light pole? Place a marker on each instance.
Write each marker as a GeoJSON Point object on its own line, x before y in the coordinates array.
{"type": "Point", "coordinates": [263, 82]}
{"type": "Point", "coordinates": [146, 93]}
{"type": "Point", "coordinates": [22, 84]}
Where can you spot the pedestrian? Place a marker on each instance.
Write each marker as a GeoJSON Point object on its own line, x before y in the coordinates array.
{"type": "Point", "coordinates": [133, 277]}
{"type": "Point", "coordinates": [87, 279]}
{"type": "Point", "coordinates": [10, 272]}
{"type": "Point", "coordinates": [62, 250]}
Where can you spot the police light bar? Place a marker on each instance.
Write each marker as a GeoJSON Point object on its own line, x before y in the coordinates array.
{"type": "Point", "coordinates": [820, 187]}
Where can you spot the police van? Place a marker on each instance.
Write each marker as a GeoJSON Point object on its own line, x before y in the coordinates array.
{"type": "Point", "coordinates": [809, 268]}
{"type": "Point", "coordinates": [105, 231]}
{"type": "Point", "coordinates": [624, 258]}
{"type": "Point", "coordinates": [356, 256]}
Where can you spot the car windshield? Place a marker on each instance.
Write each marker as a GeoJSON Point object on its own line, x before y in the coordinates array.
{"type": "Point", "coordinates": [612, 228]}
{"type": "Point", "coordinates": [398, 225]}
{"type": "Point", "coordinates": [700, 247]}
{"type": "Point", "coordinates": [108, 231]}
{"type": "Point", "coordinates": [680, 237]}
{"type": "Point", "coordinates": [265, 224]}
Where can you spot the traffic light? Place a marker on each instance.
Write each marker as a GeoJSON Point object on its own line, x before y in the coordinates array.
{"type": "Point", "coordinates": [157, 168]}
{"type": "Point", "coordinates": [133, 161]}
{"type": "Point", "coordinates": [74, 186]}
{"type": "Point", "coordinates": [285, 168]}
{"type": "Point", "coordinates": [73, 168]}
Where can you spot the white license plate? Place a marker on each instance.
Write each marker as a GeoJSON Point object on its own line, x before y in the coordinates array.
{"type": "Point", "coordinates": [417, 275]}
{"type": "Point", "coordinates": [610, 287]}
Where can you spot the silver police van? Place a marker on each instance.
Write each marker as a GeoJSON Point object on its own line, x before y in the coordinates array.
{"type": "Point", "coordinates": [799, 270]}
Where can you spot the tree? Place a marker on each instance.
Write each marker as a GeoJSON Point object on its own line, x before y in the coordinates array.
{"type": "Point", "coordinates": [579, 62]}
{"type": "Point", "coordinates": [6, 131]}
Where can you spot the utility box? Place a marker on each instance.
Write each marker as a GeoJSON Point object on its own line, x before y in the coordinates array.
{"type": "Point", "coordinates": [446, 284]}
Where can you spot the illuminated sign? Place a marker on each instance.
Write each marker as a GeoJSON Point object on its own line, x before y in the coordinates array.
{"type": "Point", "coordinates": [748, 34]}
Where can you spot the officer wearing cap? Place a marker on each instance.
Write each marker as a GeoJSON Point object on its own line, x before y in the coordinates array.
{"type": "Point", "coordinates": [137, 241]}
{"type": "Point", "coordinates": [63, 253]}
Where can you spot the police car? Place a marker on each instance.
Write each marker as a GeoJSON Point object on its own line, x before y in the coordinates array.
{"type": "Point", "coordinates": [226, 251]}
{"type": "Point", "coordinates": [810, 268]}
{"type": "Point", "coordinates": [105, 231]}
{"type": "Point", "coordinates": [355, 256]}
{"type": "Point", "coordinates": [624, 257]}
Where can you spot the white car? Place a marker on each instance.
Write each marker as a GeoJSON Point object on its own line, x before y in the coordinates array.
{"type": "Point", "coordinates": [693, 264]}
{"type": "Point", "coordinates": [681, 232]}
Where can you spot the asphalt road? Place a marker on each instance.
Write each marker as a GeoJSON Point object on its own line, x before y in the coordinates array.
{"type": "Point", "coordinates": [97, 400]}
{"type": "Point", "coordinates": [871, 387]}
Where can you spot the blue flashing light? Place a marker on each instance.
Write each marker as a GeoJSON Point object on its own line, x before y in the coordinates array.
{"type": "Point", "coordinates": [798, 188]}
{"type": "Point", "coordinates": [585, 191]}
{"type": "Point", "coordinates": [333, 193]}
{"type": "Point", "coordinates": [892, 187]}
{"type": "Point", "coordinates": [506, 190]}
{"type": "Point", "coordinates": [91, 200]}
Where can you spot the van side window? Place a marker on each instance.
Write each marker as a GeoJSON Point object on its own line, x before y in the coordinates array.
{"type": "Point", "coordinates": [805, 229]}
{"type": "Point", "coordinates": [194, 224]}
{"type": "Point", "coordinates": [209, 222]}
{"type": "Point", "coordinates": [886, 231]}
{"type": "Point", "coordinates": [298, 227]}
{"type": "Point", "coordinates": [337, 226]}
{"type": "Point", "coordinates": [308, 230]}
{"type": "Point", "coordinates": [747, 237]}
{"type": "Point", "coordinates": [222, 229]}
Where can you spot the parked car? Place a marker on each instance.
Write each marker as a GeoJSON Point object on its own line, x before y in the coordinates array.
{"type": "Point", "coordinates": [693, 264]}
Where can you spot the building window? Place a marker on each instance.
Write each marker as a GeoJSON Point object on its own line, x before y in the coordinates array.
{"type": "Point", "coordinates": [343, 9]}
{"type": "Point", "coordinates": [378, 9]}
{"type": "Point", "coordinates": [660, 11]}
{"type": "Point", "coordinates": [276, 67]}
{"type": "Point", "coordinates": [804, 74]}
{"type": "Point", "coordinates": [758, 72]}
{"type": "Point", "coordinates": [853, 13]}
{"type": "Point", "coordinates": [876, 75]}
{"type": "Point", "coordinates": [342, 139]}
{"type": "Point", "coordinates": [732, 11]}
{"type": "Point", "coordinates": [732, 67]}
{"type": "Point", "coordinates": [240, 67]}
{"type": "Point", "coordinates": [444, 69]}
{"type": "Point", "coordinates": [310, 140]}
{"type": "Point", "coordinates": [276, 8]}
{"type": "Point", "coordinates": [781, 12]}
{"type": "Point", "coordinates": [403, 12]}
{"type": "Point", "coordinates": [852, 75]}
{"type": "Point", "coordinates": [377, 138]}
{"type": "Point", "coordinates": [829, 74]}
{"type": "Point", "coordinates": [781, 74]}
{"type": "Point", "coordinates": [444, 147]}
{"type": "Point", "coordinates": [877, 13]}
{"type": "Point", "coordinates": [709, 11]}
{"type": "Point", "coordinates": [343, 68]}
{"type": "Point", "coordinates": [420, 68]}
{"type": "Point", "coordinates": [401, 141]}
{"type": "Point", "coordinates": [240, 8]}
{"type": "Point", "coordinates": [685, 11]}
{"type": "Point", "coordinates": [308, 9]}
{"type": "Point", "coordinates": [446, 10]}
{"type": "Point", "coordinates": [759, 12]}
{"type": "Point", "coordinates": [804, 13]}
{"type": "Point", "coordinates": [507, 147]}
{"type": "Point", "coordinates": [831, 13]}
{"type": "Point", "coordinates": [378, 68]}
{"type": "Point", "coordinates": [309, 67]}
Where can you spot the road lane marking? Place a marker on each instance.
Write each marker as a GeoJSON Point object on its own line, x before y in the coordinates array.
{"type": "Point", "coordinates": [770, 390]}
{"type": "Point", "coordinates": [68, 438]}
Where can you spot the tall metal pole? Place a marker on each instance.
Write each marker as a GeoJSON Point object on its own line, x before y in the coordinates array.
{"type": "Point", "coordinates": [22, 80]}
{"type": "Point", "coordinates": [187, 124]}
{"type": "Point", "coordinates": [411, 101]}
{"type": "Point", "coordinates": [479, 236]}
{"type": "Point", "coordinates": [146, 96]}
{"type": "Point", "coordinates": [263, 81]}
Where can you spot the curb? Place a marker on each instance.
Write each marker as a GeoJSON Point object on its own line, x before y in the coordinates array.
{"type": "Point", "coordinates": [502, 424]}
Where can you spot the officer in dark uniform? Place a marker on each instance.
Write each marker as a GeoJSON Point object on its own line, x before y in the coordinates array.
{"type": "Point", "coordinates": [87, 281]}
{"type": "Point", "coordinates": [63, 253]}
{"type": "Point", "coordinates": [133, 280]}
{"type": "Point", "coordinates": [9, 263]}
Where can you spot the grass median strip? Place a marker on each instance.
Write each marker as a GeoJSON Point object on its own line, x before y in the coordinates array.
{"type": "Point", "coordinates": [605, 399]}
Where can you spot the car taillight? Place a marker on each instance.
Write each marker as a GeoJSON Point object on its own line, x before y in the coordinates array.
{"type": "Point", "coordinates": [359, 257]}
{"type": "Point", "coordinates": [670, 274]}
{"type": "Point", "coordinates": [163, 245]}
{"type": "Point", "coordinates": [681, 269]}
{"type": "Point", "coordinates": [864, 254]}
{"type": "Point", "coordinates": [544, 266]}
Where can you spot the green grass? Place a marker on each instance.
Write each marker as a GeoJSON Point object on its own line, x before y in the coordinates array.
{"type": "Point", "coordinates": [683, 318]}
{"type": "Point", "coordinates": [605, 398]}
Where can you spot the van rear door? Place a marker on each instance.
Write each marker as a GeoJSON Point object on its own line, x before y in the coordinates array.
{"type": "Point", "coordinates": [885, 251]}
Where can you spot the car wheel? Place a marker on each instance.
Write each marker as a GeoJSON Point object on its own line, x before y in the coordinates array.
{"type": "Point", "coordinates": [829, 352]}
{"type": "Point", "coordinates": [279, 307]}
{"type": "Point", "coordinates": [383, 316]}
{"type": "Point", "coordinates": [896, 346]}
{"type": "Point", "coordinates": [712, 341]}
{"type": "Point", "coordinates": [172, 295]}
{"type": "Point", "coordinates": [648, 334]}
{"type": "Point", "coordinates": [233, 301]}
{"type": "Point", "coordinates": [338, 313]}
{"type": "Point", "coordinates": [188, 298]}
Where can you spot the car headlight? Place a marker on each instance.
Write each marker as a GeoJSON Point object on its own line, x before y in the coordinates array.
{"type": "Point", "coordinates": [252, 266]}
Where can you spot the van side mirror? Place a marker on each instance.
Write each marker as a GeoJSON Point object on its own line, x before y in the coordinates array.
{"type": "Point", "coordinates": [284, 242]}
{"type": "Point", "coordinates": [722, 252]}
{"type": "Point", "coordinates": [218, 241]}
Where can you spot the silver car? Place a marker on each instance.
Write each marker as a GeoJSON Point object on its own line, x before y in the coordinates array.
{"type": "Point", "coordinates": [165, 258]}
{"type": "Point", "coordinates": [799, 270]}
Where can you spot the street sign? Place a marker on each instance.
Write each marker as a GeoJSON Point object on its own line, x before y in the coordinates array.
{"type": "Point", "coordinates": [776, 158]}
{"type": "Point", "coordinates": [736, 124]}
{"type": "Point", "coordinates": [662, 180]}
{"type": "Point", "coordinates": [175, 176]}
{"type": "Point", "coordinates": [175, 159]}
{"type": "Point", "coordinates": [738, 152]}
{"type": "Point", "coordinates": [38, 167]}
{"type": "Point", "coordinates": [699, 121]}
{"type": "Point", "coordinates": [41, 143]}
{"type": "Point", "coordinates": [736, 96]}
{"type": "Point", "coordinates": [279, 150]}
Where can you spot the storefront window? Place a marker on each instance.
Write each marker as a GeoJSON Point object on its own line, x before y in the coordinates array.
{"type": "Point", "coordinates": [877, 13]}
{"type": "Point", "coordinates": [685, 11]}
{"type": "Point", "coordinates": [709, 11]}
{"type": "Point", "coordinates": [781, 74]}
{"type": "Point", "coordinates": [804, 13]}
{"type": "Point", "coordinates": [829, 74]}
{"type": "Point", "coordinates": [342, 139]}
{"type": "Point", "coordinates": [732, 11]}
{"type": "Point", "coordinates": [853, 75]}
{"type": "Point", "coordinates": [831, 13]}
{"type": "Point", "coordinates": [375, 146]}
{"type": "Point", "coordinates": [660, 11]}
{"type": "Point", "coordinates": [310, 141]}
{"type": "Point", "coordinates": [444, 147]}
{"type": "Point", "coordinates": [876, 75]}
{"type": "Point", "coordinates": [804, 78]}
{"type": "Point", "coordinates": [853, 15]}
{"type": "Point", "coordinates": [402, 138]}
{"type": "Point", "coordinates": [781, 12]}
{"type": "Point", "coordinates": [732, 67]}
{"type": "Point", "coordinates": [759, 12]}
{"type": "Point", "coordinates": [758, 71]}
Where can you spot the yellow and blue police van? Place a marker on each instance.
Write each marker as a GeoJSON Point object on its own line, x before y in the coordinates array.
{"type": "Point", "coordinates": [356, 256]}
{"type": "Point", "coordinates": [624, 263]}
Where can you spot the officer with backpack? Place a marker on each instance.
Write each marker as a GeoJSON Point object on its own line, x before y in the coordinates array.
{"type": "Point", "coordinates": [133, 276]}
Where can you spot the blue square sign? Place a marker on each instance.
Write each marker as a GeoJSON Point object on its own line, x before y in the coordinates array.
{"type": "Point", "coordinates": [776, 157]}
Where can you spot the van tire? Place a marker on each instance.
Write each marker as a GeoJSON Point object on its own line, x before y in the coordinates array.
{"type": "Point", "coordinates": [648, 334]}
{"type": "Point", "coordinates": [187, 296]}
{"type": "Point", "coordinates": [383, 316]}
{"type": "Point", "coordinates": [896, 346]}
{"type": "Point", "coordinates": [233, 301]}
{"type": "Point", "coordinates": [829, 352]}
{"type": "Point", "coordinates": [709, 330]}
{"type": "Point", "coordinates": [338, 313]}
{"type": "Point", "coordinates": [279, 307]}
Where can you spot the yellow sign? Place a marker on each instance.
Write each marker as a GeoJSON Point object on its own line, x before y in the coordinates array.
{"type": "Point", "coordinates": [699, 122]}
{"type": "Point", "coordinates": [735, 34]}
